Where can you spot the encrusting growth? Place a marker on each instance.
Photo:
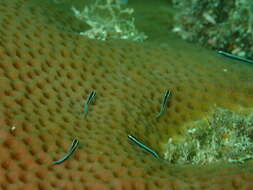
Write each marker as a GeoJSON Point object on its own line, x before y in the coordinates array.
{"type": "Point", "coordinates": [108, 20]}
{"type": "Point", "coordinates": [225, 136]}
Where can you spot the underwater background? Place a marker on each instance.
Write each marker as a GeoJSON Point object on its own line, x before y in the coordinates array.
{"type": "Point", "coordinates": [118, 95]}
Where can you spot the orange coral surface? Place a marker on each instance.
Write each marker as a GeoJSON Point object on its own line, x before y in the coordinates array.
{"type": "Point", "coordinates": [46, 75]}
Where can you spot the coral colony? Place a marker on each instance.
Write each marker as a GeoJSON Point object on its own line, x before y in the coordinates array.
{"type": "Point", "coordinates": [217, 24]}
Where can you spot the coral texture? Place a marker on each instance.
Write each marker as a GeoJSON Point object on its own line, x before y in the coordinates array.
{"type": "Point", "coordinates": [46, 75]}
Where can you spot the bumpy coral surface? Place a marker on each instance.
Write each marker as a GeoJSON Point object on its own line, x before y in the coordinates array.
{"type": "Point", "coordinates": [46, 75]}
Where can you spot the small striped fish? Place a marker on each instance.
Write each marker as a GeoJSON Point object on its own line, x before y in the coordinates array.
{"type": "Point", "coordinates": [72, 149]}
{"type": "Point", "coordinates": [235, 57]}
{"type": "Point", "coordinates": [164, 103]}
{"type": "Point", "coordinates": [88, 102]}
{"type": "Point", "coordinates": [143, 146]}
